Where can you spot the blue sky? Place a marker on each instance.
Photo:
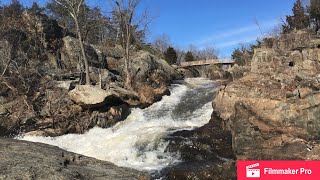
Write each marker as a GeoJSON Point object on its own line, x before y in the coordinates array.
{"type": "Point", "coordinates": [223, 24]}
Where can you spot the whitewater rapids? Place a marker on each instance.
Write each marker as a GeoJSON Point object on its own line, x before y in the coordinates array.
{"type": "Point", "coordinates": [138, 142]}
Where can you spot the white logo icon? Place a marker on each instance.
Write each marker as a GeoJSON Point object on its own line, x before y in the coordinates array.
{"type": "Point", "coordinates": [251, 172]}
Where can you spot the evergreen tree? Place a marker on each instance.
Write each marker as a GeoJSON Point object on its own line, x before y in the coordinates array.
{"type": "Point", "coordinates": [299, 19]}
{"type": "Point", "coordinates": [189, 57]}
{"type": "Point", "coordinates": [314, 12]}
{"type": "Point", "coordinates": [35, 8]}
{"type": "Point", "coordinates": [171, 55]}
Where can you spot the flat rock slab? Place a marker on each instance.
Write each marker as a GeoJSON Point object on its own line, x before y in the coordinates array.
{"type": "Point", "coordinates": [90, 96]}
{"type": "Point", "coordinates": [27, 160]}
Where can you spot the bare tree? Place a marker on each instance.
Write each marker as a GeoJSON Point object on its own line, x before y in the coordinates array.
{"type": "Point", "coordinates": [132, 27]}
{"type": "Point", "coordinates": [208, 53]}
{"type": "Point", "coordinates": [162, 42]}
{"type": "Point", "coordinates": [204, 53]}
{"type": "Point", "coordinates": [73, 8]}
{"type": "Point", "coordinates": [180, 54]}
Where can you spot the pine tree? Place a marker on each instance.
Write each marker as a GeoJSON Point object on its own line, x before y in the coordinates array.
{"type": "Point", "coordinates": [299, 19]}
{"type": "Point", "coordinates": [314, 12]}
{"type": "Point", "coordinates": [189, 57]}
{"type": "Point", "coordinates": [171, 55]}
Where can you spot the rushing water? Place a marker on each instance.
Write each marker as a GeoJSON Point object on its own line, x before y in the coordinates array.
{"type": "Point", "coordinates": [138, 141]}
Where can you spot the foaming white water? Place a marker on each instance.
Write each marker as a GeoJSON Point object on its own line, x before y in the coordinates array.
{"type": "Point", "coordinates": [138, 141]}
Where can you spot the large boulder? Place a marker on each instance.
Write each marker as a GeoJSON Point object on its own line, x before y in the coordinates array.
{"type": "Point", "coordinates": [151, 76]}
{"type": "Point", "coordinates": [71, 56]}
{"type": "Point", "coordinates": [27, 160]}
{"type": "Point", "coordinates": [145, 64]}
{"type": "Point", "coordinates": [91, 96]}
{"type": "Point", "coordinates": [129, 96]}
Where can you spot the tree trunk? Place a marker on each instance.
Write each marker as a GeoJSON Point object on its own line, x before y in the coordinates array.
{"type": "Point", "coordinates": [128, 80]}
{"type": "Point", "coordinates": [86, 64]}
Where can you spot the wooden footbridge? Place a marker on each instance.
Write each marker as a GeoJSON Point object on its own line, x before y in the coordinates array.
{"type": "Point", "coordinates": [229, 62]}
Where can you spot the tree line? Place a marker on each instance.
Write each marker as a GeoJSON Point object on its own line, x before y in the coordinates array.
{"type": "Point", "coordinates": [123, 26]}
{"type": "Point", "coordinates": [174, 55]}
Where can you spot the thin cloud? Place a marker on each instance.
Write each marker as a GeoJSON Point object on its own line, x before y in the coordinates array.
{"type": "Point", "coordinates": [236, 32]}
{"type": "Point", "coordinates": [236, 42]}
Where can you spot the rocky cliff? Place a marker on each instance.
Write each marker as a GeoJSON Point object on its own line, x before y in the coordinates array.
{"type": "Point", "coordinates": [273, 111]}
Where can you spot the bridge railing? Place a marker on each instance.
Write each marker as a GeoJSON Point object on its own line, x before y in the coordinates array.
{"type": "Point", "coordinates": [205, 62]}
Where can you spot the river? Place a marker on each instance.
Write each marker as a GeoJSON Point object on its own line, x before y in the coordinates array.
{"type": "Point", "coordinates": [138, 142]}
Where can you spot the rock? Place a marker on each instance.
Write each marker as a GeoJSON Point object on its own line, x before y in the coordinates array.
{"type": "Point", "coordinates": [115, 52]}
{"type": "Point", "coordinates": [257, 138]}
{"type": "Point", "coordinates": [209, 142]}
{"type": "Point", "coordinates": [16, 114]}
{"type": "Point", "coordinates": [304, 92]}
{"type": "Point", "coordinates": [27, 160]}
{"type": "Point", "coordinates": [2, 99]}
{"type": "Point", "coordinates": [67, 85]}
{"type": "Point", "coordinates": [90, 96]}
{"type": "Point", "coordinates": [264, 61]}
{"type": "Point", "coordinates": [111, 116]}
{"type": "Point", "coordinates": [145, 64]}
{"type": "Point", "coordinates": [273, 111]}
{"type": "Point", "coordinates": [151, 77]}
{"type": "Point", "coordinates": [105, 75]}
{"type": "Point", "coordinates": [71, 54]}
{"type": "Point", "coordinates": [3, 110]}
{"type": "Point", "coordinates": [188, 72]}
{"type": "Point", "coordinates": [237, 71]}
{"type": "Point", "coordinates": [206, 152]}
{"type": "Point", "coordinates": [218, 74]}
{"type": "Point", "coordinates": [129, 96]}
{"type": "Point", "coordinates": [204, 170]}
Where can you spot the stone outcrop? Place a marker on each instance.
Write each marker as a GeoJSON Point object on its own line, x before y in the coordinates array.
{"type": "Point", "coordinates": [151, 76]}
{"type": "Point", "coordinates": [71, 57]}
{"type": "Point", "coordinates": [273, 111]}
{"type": "Point", "coordinates": [27, 160]}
